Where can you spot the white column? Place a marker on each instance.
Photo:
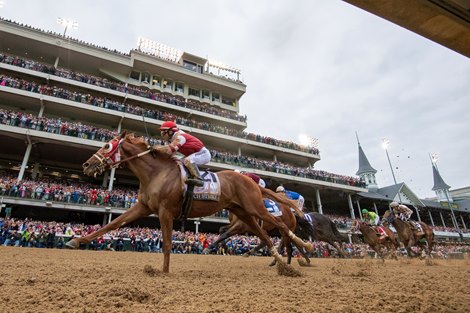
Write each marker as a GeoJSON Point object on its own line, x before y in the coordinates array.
{"type": "Point", "coordinates": [359, 208]}
{"type": "Point", "coordinates": [463, 222]}
{"type": "Point", "coordinates": [197, 226]}
{"type": "Point", "coordinates": [417, 213]}
{"type": "Point", "coordinates": [430, 217]}
{"type": "Point", "coordinates": [239, 151]}
{"type": "Point", "coordinates": [25, 161]}
{"type": "Point", "coordinates": [113, 170]}
{"type": "Point", "coordinates": [105, 218]}
{"type": "Point", "coordinates": [41, 110]}
{"type": "Point", "coordinates": [375, 208]}
{"type": "Point", "coordinates": [56, 63]}
{"type": "Point", "coordinates": [351, 208]}
{"type": "Point", "coordinates": [317, 195]}
{"type": "Point", "coordinates": [110, 217]}
{"type": "Point", "coordinates": [442, 219]}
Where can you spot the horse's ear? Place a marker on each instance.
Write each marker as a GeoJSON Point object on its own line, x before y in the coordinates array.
{"type": "Point", "coordinates": [123, 134]}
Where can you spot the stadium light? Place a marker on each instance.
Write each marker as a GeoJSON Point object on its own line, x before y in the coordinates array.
{"type": "Point", "coordinates": [308, 141]}
{"type": "Point", "coordinates": [385, 144]}
{"type": "Point", "coordinates": [158, 49]}
{"type": "Point", "coordinates": [67, 24]}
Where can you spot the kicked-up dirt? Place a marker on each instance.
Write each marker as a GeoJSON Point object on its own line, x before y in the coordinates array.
{"type": "Point", "coordinates": [41, 280]}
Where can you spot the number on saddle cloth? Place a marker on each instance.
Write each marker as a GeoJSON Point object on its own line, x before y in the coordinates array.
{"type": "Point", "coordinates": [211, 189]}
{"type": "Point", "coordinates": [272, 207]}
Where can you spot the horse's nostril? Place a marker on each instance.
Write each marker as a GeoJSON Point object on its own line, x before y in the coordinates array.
{"type": "Point", "coordinates": [85, 165]}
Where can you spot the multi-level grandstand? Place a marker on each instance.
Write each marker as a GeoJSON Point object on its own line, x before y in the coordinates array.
{"type": "Point", "coordinates": [61, 98]}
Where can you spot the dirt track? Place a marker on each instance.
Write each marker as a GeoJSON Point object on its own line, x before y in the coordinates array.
{"type": "Point", "coordinates": [40, 280]}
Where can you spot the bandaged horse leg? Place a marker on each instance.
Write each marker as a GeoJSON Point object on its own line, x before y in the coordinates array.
{"type": "Point", "coordinates": [300, 243]}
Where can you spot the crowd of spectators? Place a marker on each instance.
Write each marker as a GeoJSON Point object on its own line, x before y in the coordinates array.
{"type": "Point", "coordinates": [84, 131]}
{"type": "Point", "coordinates": [40, 234]}
{"type": "Point", "coordinates": [67, 191]}
{"type": "Point", "coordinates": [120, 106]}
{"type": "Point", "coordinates": [283, 168]}
{"type": "Point", "coordinates": [84, 193]}
{"type": "Point", "coordinates": [121, 87]}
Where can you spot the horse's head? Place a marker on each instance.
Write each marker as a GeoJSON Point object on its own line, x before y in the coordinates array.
{"type": "Point", "coordinates": [104, 157]}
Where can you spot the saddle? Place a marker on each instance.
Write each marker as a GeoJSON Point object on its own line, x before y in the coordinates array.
{"type": "Point", "coordinates": [210, 191]}
{"type": "Point", "coordinates": [381, 233]}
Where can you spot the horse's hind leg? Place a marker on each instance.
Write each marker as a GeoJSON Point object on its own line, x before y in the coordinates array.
{"type": "Point", "coordinates": [133, 213]}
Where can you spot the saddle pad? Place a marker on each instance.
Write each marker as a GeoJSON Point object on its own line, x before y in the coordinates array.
{"type": "Point", "coordinates": [309, 218]}
{"type": "Point", "coordinates": [210, 190]}
{"type": "Point", "coordinates": [272, 207]}
{"type": "Point", "coordinates": [381, 231]}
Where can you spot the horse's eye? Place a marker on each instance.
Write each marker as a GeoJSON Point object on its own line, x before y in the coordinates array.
{"type": "Point", "coordinates": [107, 148]}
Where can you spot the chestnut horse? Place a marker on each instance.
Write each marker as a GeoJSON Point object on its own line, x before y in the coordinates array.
{"type": "Point", "coordinates": [369, 232]}
{"type": "Point", "coordinates": [409, 236]}
{"type": "Point", "coordinates": [238, 227]}
{"type": "Point", "coordinates": [161, 192]}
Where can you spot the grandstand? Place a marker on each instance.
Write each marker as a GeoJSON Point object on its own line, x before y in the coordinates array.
{"type": "Point", "coordinates": [61, 98]}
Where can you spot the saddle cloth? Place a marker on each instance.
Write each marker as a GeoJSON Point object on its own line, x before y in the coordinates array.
{"type": "Point", "coordinates": [309, 218]}
{"type": "Point", "coordinates": [211, 189]}
{"type": "Point", "coordinates": [272, 207]}
{"type": "Point", "coordinates": [381, 231]}
{"type": "Point", "coordinates": [416, 225]}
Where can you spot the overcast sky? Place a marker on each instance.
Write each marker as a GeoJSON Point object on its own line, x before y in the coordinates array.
{"type": "Point", "coordinates": [321, 68]}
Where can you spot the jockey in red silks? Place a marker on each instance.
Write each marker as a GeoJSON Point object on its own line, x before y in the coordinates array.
{"type": "Point", "coordinates": [192, 148]}
{"type": "Point", "coordinates": [255, 177]}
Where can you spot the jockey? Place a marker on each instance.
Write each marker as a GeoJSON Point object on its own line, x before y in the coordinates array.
{"type": "Point", "coordinates": [192, 148]}
{"type": "Point", "coordinates": [403, 212]}
{"type": "Point", "coordinates": [370, 218]}
{"type": "Point", "coordinates": [253, 176]}
{"type": "Point", "coordinates": [292, 195]}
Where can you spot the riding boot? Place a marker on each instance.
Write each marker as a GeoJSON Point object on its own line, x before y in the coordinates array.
{"type": "Point", "coordinates": [195, 178]}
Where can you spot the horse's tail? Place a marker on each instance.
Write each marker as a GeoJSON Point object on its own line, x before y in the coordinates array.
{"type": "Point", "coordinates": [268, 193]}
{"type": "Point", "coordinates": [339, 237]}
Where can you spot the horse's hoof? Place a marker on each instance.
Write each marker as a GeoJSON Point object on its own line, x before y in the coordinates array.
{"type": "Point", "coordinates": [72, 244]}
{"type": "Point", "coordinates": [272, 263]}
{"type": "Point", "coordinates": [309, 247]}
{"type": "Point", "coordinates": [245, 255]}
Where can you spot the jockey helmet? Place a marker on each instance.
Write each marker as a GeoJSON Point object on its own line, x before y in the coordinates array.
{"type": "Point", "coordinates": [169, 125]}
{"type": "Point", "coordinates": [237, 171]}
{"type": "Point", "coordinates": [364, 211]}
{"type": "Point", "coordinates": [393, 204]}
{"type": "Point", "coordinates": [280, 189]}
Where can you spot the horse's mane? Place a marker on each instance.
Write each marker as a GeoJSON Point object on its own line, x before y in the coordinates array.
{"type": "Point", "coordinates": [139, 140]}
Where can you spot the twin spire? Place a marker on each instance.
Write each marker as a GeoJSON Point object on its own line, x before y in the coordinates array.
{"type": "Point", "coordinates": [367, 173]}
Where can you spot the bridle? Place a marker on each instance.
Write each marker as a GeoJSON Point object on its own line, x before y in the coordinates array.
{"type": "Point", "coordinates": [112, 156]}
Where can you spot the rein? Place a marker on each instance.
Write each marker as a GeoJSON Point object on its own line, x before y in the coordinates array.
{"type": "Point", "coordinates": [116, 163]}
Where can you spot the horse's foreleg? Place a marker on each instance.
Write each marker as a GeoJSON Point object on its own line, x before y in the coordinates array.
{"type": "Point", "coordinates": [166, 223]}
{"type": "Point", "coordinates": [133, 213]}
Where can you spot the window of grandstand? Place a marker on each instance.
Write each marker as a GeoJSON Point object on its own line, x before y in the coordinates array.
{"type": "Point", "coordinates": [215, 97]}
{"type": "Point", "coordinates": [228, 101]}
{"type": "Point", "coordinates": [156, 81]}
{"type": "Point", "coordinates": [168, 85]}
{"type": "Point", "coordinates": [192, 66]}
{"type": "Point", "coordinates": [206, 94]}
{"type": "Point", "coordinates": [135, 75]}
{"type": "Point", "coordinates": [179, 87]}
{"type": "Point", "coordinates": [194, 92]}
{"type": "Point", "coordinates": [145, 78]}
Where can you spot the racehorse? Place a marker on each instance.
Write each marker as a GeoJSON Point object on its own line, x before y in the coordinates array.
{"type": "Point", "coordinates": [319, 227]}
{"type": "Point", "coordinates": [238, 227]}
{"type": "Point", "coordinates": [161, 192]}
{"type": "Point", "coordinates": [314, 226]}
{"type": "Point", "coordinates": [369, 232]}
{"type": "Point", "coordinates": [408, 235]}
